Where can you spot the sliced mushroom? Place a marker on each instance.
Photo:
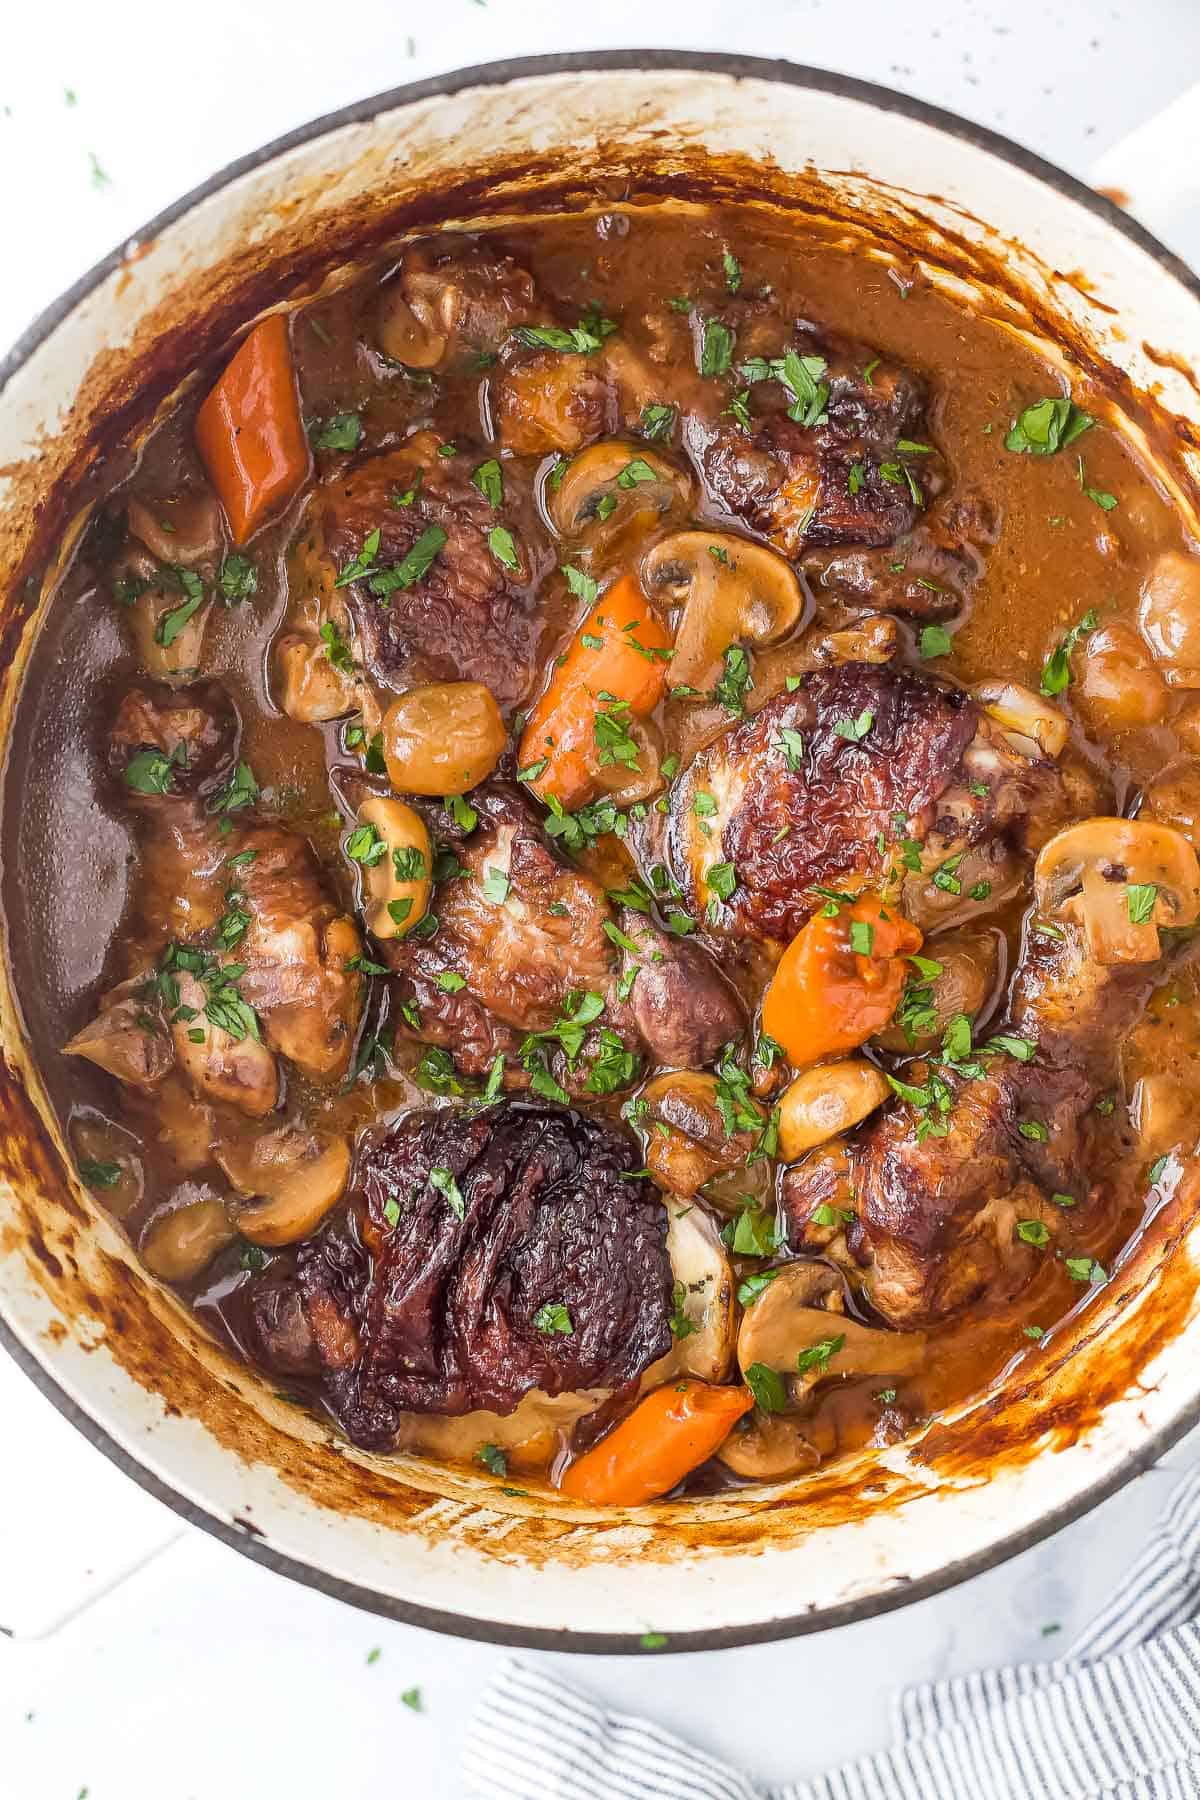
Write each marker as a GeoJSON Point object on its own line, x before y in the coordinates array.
{"type": "Point", "coordinates": [312, 689]}
{"type": "Point", "coordinates": [125, 1039]}
{"type": "Point", "coordinates": [1169, 616]}
{"type": "Point", "coordinates": [613, 491]}
{"type": "Point", "coordinates": [529, 1437]}
{"type": "Point", "coordinates": [180, 1241]}
{"type": "Point", "coordinates": [409, 331]}
{"type": "Point", "coordinates": [768, 1447]}
{"type": "Point", "coordinates": [1033, 726]}
{"type": "Point", "coordinates": [824, 1101]}
{"type": "Point", "coordinates": [797, 1327]}
{"type": "Point", "coordinates": [686, 1142]}
{"type": "Point", "coordinates": [703, 1321]}
{"type": "Point", "coordinates": [295, 1176]}
{"type": "Point", "coordinates": [184, 530]}
{"type": "Point", "coordinates": [731, 592]}
{"type": "Point", "coordinates": [442, 738]}
{"type": "Point", "coordinates": [1121, 879]}
{"type": "Point", "coordinates": [398, 882]}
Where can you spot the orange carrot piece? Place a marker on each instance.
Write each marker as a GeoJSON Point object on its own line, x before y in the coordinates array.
{"type": "Point", "coordinates": [825, 997]}
{"type": "Point", "coordinates": [669, 1432]}
{"type": "Point", "coordinates": [621, 651]}
{"type": "Point", "coordinates": [249, 431]}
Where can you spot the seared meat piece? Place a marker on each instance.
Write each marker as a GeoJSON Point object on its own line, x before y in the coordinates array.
{"type": "Point", "coordinates": [545, 401]}
{"type": "Point", "coordinates": [295, 949]}
{"type": "Point", "coordinates": [118, 1041]}
{"type": "Point", "coordinates": [466, 616]}
{"type": "Point", "coordinates": [520, 927]}
{"type": "Point", "coordinates": [799, 803]}
{"type": "Point", "coordinates": [820, 786]}
{"type": "Point", "coordinates": [500, 1252]}
{"type": "Point", "coordinates": [679, 1006]}
{"type": "Point", "coordinates": [194, 728]}
{"type": "Point", "coordinates": [937, 1216]}
{"type": "Point", "coordinates": [525, 931]}
{"type": "Point", "coordinates": [926, 575]}
{"type": "Point", "coordinates": [462, 297]}
{"type": "Point", "coordinates": [845, 478]}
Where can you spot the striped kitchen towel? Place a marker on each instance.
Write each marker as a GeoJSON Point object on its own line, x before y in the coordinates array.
{"type": "Point", "coordinates": [1118, 1717]}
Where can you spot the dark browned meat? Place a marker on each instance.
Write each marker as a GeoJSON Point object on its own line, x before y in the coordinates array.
{"type": "Point", "coordinates": [466, 291]}
{"type": "Point", "coordinates": [797, 803]}
{"type": "Point", "coordinates": [857, 470]}
{"type": "Point", "coordinates": [680, 1006]}
{"type": "Point", "coordinates": [468, 616]}
{"type": "Point", "coordinates": [927, 574]}
{"type": "Point", "coordinates": [512, 1251]}
{"type": "Point", "coordinates": [937, 1216]}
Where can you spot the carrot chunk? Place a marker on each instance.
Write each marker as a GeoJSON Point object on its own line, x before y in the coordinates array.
{"type": "Point", "coordinates": [669, 1432]}
{"type": "Point", "coordinates": [249, 431]}
{"type": "Point", "coordinates": [614, 669]}
{"type": "Point", "coordinates": [839, 980]}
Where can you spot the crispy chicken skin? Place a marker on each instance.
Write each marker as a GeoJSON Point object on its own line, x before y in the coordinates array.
{"type": "Point", "coordinates": [936, 1217]}
{"type": "Point", "coordinates": [821, 785]}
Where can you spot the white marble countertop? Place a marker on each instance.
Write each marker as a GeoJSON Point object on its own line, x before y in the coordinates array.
{"type": "Point", "coordinates": [148, 1661]}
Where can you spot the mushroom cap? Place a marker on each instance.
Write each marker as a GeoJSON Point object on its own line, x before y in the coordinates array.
{"type": "Point", "coordinates": [1098, 874]}
{"type": "Point", "coordinates": [294, 1178]}
{"type": "Point", "coordinates": [612, 489]}
{"type": "Point", "coordinates": [826, 1100]}
{"type": "Point", "coordinates": [731, 591]}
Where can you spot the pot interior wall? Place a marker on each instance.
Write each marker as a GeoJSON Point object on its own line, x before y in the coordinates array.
{"type": "Point", "coordinates": [402, 1534]}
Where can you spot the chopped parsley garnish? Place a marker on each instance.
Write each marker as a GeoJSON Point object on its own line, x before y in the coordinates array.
{"type": "Point", "coordinates": [855, 730]}
{"type": "Point", "coordinates": [336, 648]}
{"type": "Point", "coordinates": [801, 376]}
{"type": "Point", "coordinates": [681, 1325]}
{"type": "Point", "coordinates": [489, 479]}
{"type": "Point", "coordinates": [1106, 502]}
{"type": "Point", "coordinates": [172, 623]}
{"type": "Point", "coordinates": [1056, 676]}
{"type": "Point", "coordinates": [238, 579]}
{"type": "Point", "coordinates": [365, 846]}
{"type": "Point", "coordinates": [767, 1386]}
{"type": "Point", "coordinates": [442, 1180]}
{"type": "Point", "coordinates": [503, 546]}
{"type": "Point", "coordinates": [240, 790]}
{"type": "Point", "coordinates": [554, 1320]}
{"type": "Point", "coordinates": [716, 348]}
{"type": "Point", "coordinates": [1032, 1231]}
{"type": "Point", "coordinates": [1085, 1268]}
{"type": "Point", "coordinates": [656, 423]}
{"type": "Point", "coordinates": [99, 1174]}
{"type": "Point", "coordinates": [492, 1458]}
{"type": "Point", "coordinates": [817, 1356]}
{"type": "Point", "coordinates": [935, 641]}
{"type": "Point", "coordinates": [730, 691]}
{"type": "Point", "coordinates": [733, 271]}
{"type": "Point", "coordinates": [754, 1285]}
{"type": "Point", "coordinates": [1047, 426]}
{"type": "Point", "coordinates": [636, 471]}
{"type": "Point", "coordinates": [1140, 899]}
{"type": "Point", "coordinates": [150, 772]}
{"type": "Point", "coordinates": [342, 432]}
{"type": "Point", "coordinates": [582, 339]}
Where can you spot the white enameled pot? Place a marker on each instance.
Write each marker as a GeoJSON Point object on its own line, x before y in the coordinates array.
{"type": "Point", "coordinates": [446, 1548]}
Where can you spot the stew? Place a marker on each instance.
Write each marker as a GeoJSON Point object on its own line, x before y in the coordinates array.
{"type": "Point", "coordinates": [606, 877]}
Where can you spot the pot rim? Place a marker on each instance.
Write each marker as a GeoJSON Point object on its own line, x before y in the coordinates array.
{"type": "Point", "coordinates": [496, 74]}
